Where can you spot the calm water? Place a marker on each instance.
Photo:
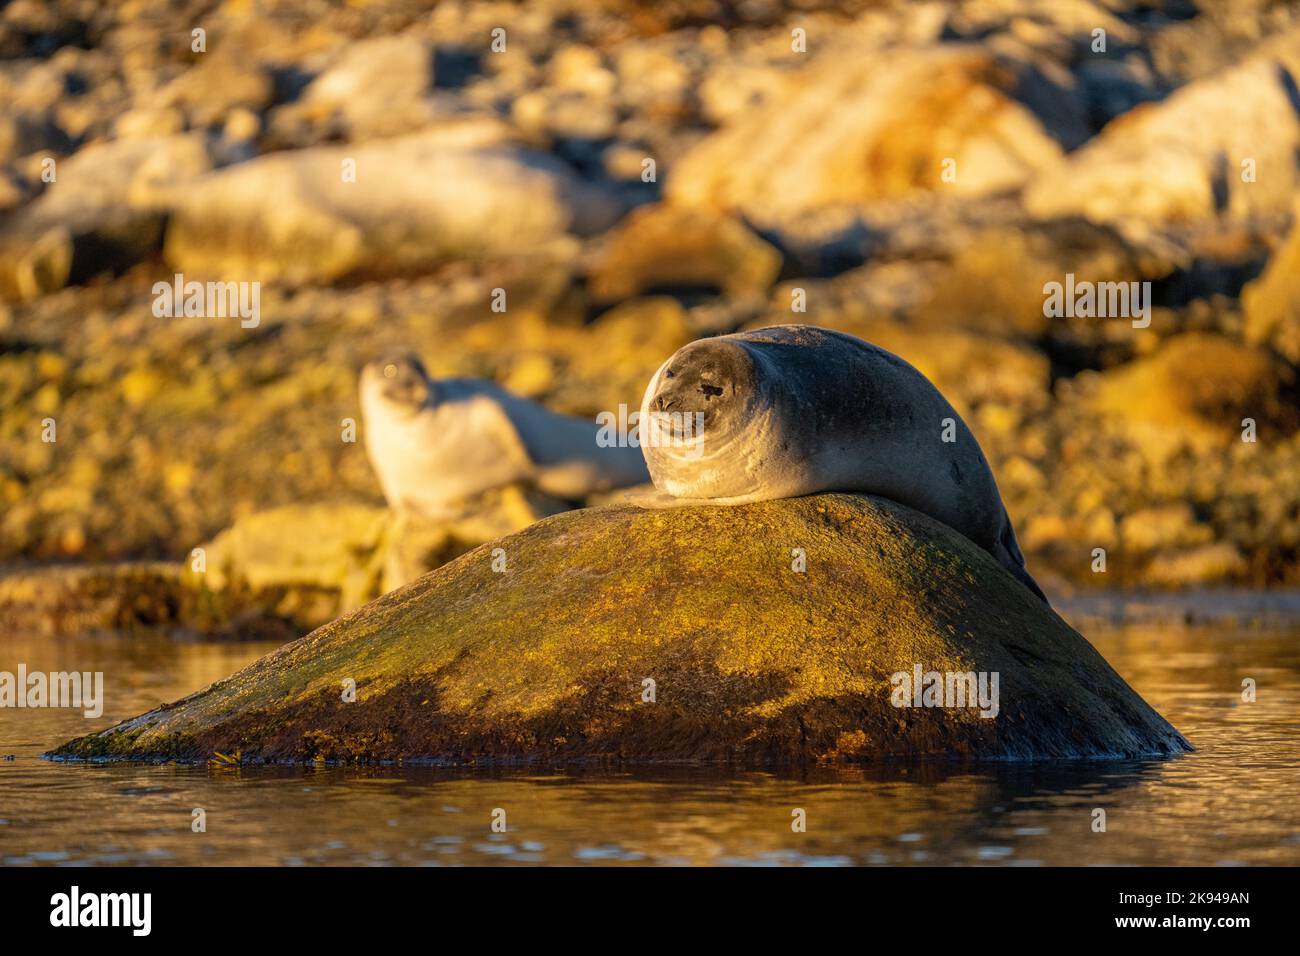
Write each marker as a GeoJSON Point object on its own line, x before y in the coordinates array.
{"type": "Point", "coordinates": [1231, 803]}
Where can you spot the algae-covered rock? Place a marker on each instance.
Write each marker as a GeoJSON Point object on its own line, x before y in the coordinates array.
{"type": "Point", "coordinates": [624, 634]}
{"type": "Point", "coordinates": [67, 599]}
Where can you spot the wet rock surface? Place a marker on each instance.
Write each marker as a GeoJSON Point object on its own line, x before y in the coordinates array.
{"type": "Point", "coordinates": [623, 635]}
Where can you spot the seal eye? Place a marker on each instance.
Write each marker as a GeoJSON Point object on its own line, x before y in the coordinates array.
{"type": "Point", "coordinates": [709, 391]}
{"type": "Point", "coordinates": [390, 371]}
{"type": "Point", "coordinates": [668, 373]}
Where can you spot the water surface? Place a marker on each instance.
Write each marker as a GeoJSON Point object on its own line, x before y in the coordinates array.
{"type": "Point", "coordinates": [1233, 802]}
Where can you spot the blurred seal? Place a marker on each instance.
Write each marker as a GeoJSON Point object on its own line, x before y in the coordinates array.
{"type": "Point", "coordinates": [795, 410]}
{"type": "Point", "coordinates": [434, 443]}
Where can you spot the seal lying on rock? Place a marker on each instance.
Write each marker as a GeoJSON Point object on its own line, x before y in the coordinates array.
{"type": "Point", "coordinates": [434, 443]}
{"type": "Point", "coordinates": [795, 410]}
{"type": "Point", "coordinates": [547, 664]}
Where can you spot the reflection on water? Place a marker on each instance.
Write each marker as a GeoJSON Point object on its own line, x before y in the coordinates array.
{"type": "Point", "coordinates": [1231, 802]}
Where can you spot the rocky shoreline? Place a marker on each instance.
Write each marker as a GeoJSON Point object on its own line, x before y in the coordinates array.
{"type": "Point", "coordinates": [781, 175]}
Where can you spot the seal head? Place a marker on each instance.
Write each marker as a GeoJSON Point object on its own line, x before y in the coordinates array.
{"type": "Point", "coordinates": [709, 423]}
{"type": "Point", "coordinates": [797, 410]}
{"type": "Point", "coordinates": [400, 381]}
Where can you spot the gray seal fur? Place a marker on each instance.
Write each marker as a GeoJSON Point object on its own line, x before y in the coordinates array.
{"type": "Point", "coordinates": [795, 410]}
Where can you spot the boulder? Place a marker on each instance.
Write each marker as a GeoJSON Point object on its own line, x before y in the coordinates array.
{"type": "Point", "coordinates": [1222, 147]}
{"type": "Point", "coordinates": [659, 247]}
{"type": "Point", "coordinates": [983, 272]}
{"type": "Point", "coordinates": [856, 129]}
{"type": "Point", "coordinates": [993, 281]}
{"type": "Point", "coordinates": [1197, 390]}
{"type": "Point", "coordinates": [619, 634]}
{"type": "Point", "coordinates": [416, 201]}
{"type": "Point", "coordinates": [218, 83]}
{"type": "Point", "coordinates": [378, 86]}
{"type": "Point", "coordinates": [104, 212]}
{"type": "Point", "coordinates": [309, 563]}
{"type": "Point", "coordinates": [1271, 303]}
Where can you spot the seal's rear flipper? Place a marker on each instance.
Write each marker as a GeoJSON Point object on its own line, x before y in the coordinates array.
{"type": "Point", "coordinates": [1024, 578]}
{"type": "Point", "coordinates": [1012, 558]}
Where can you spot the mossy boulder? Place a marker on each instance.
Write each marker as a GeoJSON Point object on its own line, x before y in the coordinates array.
{"type": "Point", "coordinates": [539, 646]}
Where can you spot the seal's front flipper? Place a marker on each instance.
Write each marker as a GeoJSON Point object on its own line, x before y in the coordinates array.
{"type": "Point", "coordinates": [1012, 558]}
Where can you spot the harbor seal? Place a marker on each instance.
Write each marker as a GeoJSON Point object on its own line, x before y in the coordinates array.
{"type": "Point", "coordinates": [434, 443]}
{"type": "Point", "coordinates": [795, 410]}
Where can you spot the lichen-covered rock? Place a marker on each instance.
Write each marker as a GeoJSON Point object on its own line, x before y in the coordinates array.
{"type": "Point", "coordinates": [622, 634]}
